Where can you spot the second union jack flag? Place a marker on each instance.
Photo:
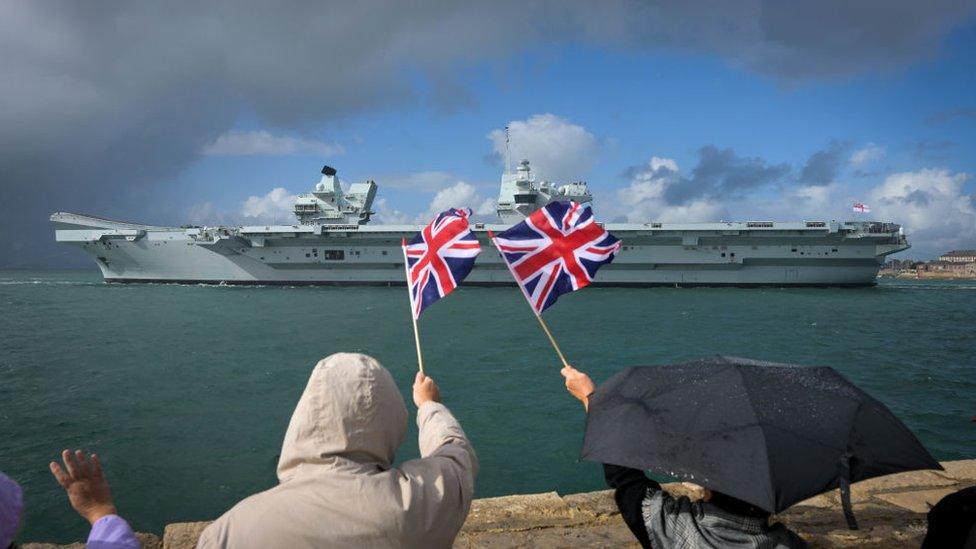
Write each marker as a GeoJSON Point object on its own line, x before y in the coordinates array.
{"type": "Point", "coordinates": [557, 249]}
{"type": "Point", "coordinates": [439, 258]}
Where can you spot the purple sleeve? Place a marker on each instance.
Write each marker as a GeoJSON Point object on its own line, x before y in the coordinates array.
{"type": "Point", "coordinates": [111, 532]}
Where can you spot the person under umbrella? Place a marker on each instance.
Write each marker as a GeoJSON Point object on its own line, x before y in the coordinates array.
{"type": "Point", "coordinates": [952, 521]}
{"type": "Point", "coordinates": [658, 519]}
{"type": "Point", "coordinates": [759, 436]}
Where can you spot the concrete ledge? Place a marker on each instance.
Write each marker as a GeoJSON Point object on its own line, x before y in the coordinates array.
{"type": "Point", "coordinates": [890, 510]}
{"type": "Point", "coordinates": [148, 541]}
{"type": "Point", "coordinates": [960, 470]}
{"type": "Point", "coordinates": [183, 534]}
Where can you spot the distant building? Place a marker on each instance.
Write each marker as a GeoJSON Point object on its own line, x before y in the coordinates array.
{"type": "Point", "coordinates": [936, 266]}
{"type": "Point", "coordinates": [963, 269]}
{"type": "Point", "coordinates": [957, 264]}
{"type": "Point", "coordinates": [959, 256]}
{"type": "Point", "coordinates": [900, 264]}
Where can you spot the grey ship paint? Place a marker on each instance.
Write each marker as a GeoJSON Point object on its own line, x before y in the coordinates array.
{"type": "Point", "coordinates": [333, 243]}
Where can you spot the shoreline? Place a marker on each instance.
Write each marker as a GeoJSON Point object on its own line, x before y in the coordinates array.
{"type": "Point", "coordinates": [891, 511]}
{"type": "Point", "coordinates": [925, 275]}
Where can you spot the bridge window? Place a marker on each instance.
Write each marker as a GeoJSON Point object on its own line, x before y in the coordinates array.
{"type": "Point", "coordinates": [334, 255]}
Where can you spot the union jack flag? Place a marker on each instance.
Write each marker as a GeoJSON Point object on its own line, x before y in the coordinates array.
{"type": "Point", "coordinates": [861, 208]}
{"type": "Point", "coordinates": [439, 258]}
{"type": "Point", "coordinates": [556, 250]}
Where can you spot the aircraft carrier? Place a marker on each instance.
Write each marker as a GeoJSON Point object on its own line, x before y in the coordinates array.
{"type": "Point", "coordinates": [332, 242]}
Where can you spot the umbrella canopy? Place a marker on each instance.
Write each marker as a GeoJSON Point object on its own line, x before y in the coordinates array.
{"type": "Point", "coordinates": [768, 434]}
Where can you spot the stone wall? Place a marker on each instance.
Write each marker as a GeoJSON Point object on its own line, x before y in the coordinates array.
{"type": "Point", "coordinates": [890, 510]}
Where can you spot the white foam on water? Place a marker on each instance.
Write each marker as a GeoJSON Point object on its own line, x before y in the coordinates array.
{"type": "Point", "coordinates": [47, 283]}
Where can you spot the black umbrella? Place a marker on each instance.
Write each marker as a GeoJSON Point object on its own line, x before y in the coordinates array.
{"type": "Point", "coordinates": [768, 434]}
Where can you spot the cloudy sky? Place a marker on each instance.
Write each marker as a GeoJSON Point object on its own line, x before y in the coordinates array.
{"type": "Point", "coordinates": [220, 112]}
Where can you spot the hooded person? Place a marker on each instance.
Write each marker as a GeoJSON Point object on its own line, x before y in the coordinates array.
{"type": "Point", "coordinates": [337, 484]}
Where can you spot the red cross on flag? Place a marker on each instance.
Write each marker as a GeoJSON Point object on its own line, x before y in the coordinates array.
{"type": "Point", "coordinates": [557, 249]}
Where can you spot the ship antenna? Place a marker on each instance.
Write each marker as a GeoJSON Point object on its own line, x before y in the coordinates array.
{"type": "Point", "coordinates": [508, 156]}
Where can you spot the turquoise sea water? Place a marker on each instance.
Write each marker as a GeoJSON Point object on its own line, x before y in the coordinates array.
{"type": "Point", "coordinates": [185, 391]}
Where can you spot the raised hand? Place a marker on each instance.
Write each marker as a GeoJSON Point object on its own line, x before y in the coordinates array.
{"type": "Point", "coordinates": [579, 385]}
{"type": "Point", "coordinates": [425, 390]}
{"type": "Point", "coordinates": [85, 484]}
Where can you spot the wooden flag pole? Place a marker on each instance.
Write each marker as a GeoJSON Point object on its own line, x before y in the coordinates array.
{"type": "Point", "coordinates": [416, 338]}
{"type": "Point", "coordinates": [552, 340]}
{"type": "Point", "coordinates": [545, 327]}
{"type": "Point", "coordinates": [416, 332]}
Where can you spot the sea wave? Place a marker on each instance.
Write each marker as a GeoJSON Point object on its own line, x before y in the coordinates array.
{"type": "Point", "coordinates": [220, 286]}
{"type": "Point", "coordinates": [48, 283]}
{"type": "Point", "coordinates": [930, 286]}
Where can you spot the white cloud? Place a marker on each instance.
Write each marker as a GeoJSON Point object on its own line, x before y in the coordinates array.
{"type": "Point", "coordinates": [816, 196]}
{"type": "Point", "coordinates": [206, 214]}
{"type": "Point", "coordinates": [866, 155]}
{"type": "Point", "coordinates": [644, 198]}
{"type": "Point", "coordinates": [276, 206]}
{"type": "Point", "coordinates": [932, 207]}
{"type": "Point", "coordinates": [387, 215]}
{"type": "Point", "coordinates": [558, 149]}
{"type": "Point", "coordinates": [263, 143]}
{"type": "Point", "coordinates": [809, 202]}
{"type": "Point", "coordinates": [421, 181]}
{"type": "Point", "coordinates": [931, 204]}
{"type": "Point", "coordinates": [459, 195]}
{"type": "Point", "coordinates": [701, 209]}
{"type": "Point", "coordinates": [203, 213]}
{"type": "Point", "coordinates": [658, 163]}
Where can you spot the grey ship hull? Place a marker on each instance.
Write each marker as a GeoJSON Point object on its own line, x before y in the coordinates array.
{"type": "Point", "coordinates": [735, 254]}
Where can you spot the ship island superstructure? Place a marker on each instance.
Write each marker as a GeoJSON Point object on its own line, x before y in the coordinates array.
{"type": "Point", "coordinates": [332, 242]}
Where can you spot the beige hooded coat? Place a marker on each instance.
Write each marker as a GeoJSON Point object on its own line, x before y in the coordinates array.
{"type": "Point", "coordinates": [337, 485]}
